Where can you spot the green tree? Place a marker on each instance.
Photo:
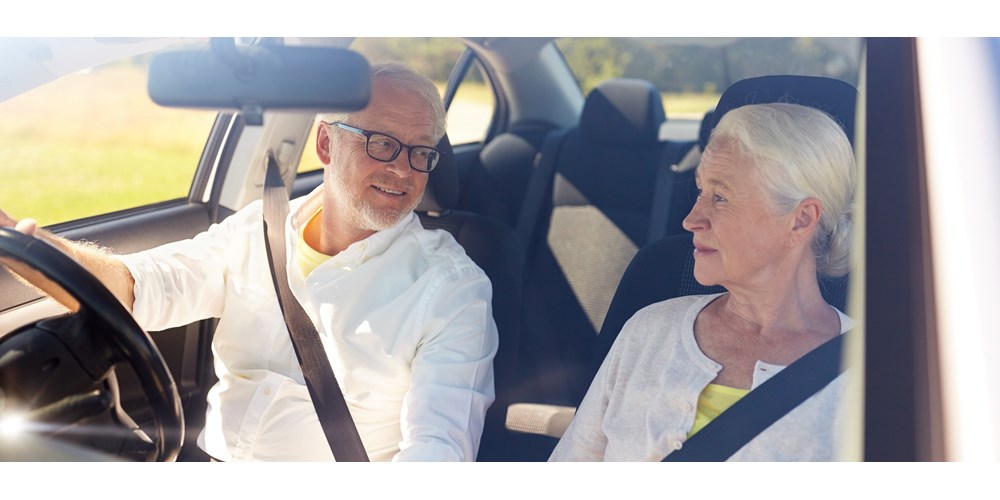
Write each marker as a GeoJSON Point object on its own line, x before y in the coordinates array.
{"type": "Point", "coordinates": [594, 60]}
{"type": "Point", "coordinates": [433, 57]}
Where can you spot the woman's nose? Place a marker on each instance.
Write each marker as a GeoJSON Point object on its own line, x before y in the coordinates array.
{"type": "Point", "coordinates": [695, 220]}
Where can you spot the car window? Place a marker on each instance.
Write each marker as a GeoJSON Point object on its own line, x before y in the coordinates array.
{"type": "Point", "coordinates": [692, 73]}
{"type": "Point", "coordinates": [471, 110]}
{"type": "Point", "coordinates": [93, 142]}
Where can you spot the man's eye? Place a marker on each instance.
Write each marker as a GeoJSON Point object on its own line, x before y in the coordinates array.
{"type": "Point", "coordinates": [381, 143]}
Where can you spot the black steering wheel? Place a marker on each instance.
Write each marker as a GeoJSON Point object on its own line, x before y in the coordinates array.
{"type": "Point", "coordinates": [83, 347]}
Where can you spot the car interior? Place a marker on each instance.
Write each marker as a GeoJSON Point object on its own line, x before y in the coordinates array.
{"type": "Point", "coordinates": [571, 202]}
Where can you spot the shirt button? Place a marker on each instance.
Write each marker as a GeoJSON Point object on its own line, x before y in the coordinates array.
{"type": "Point", "coordinates": [688, 407]}
{"type": "Point", "coordinates": [678, 445]}
{"type": "Point", "coordinates": [267, 391]}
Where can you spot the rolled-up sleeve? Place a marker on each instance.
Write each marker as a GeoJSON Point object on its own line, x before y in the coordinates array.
{"type": "Point", "coordinates": [452, 371]}
{"type": "Point", "coordinates": [181, 282]}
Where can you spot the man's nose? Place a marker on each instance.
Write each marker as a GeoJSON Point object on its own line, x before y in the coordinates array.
{"type": "Point", "coordinates": [401, 165]}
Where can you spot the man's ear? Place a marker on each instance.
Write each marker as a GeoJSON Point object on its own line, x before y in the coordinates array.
{"type": "Point", "coordinates": [807, 215]}
{"type": "Point", "coordinates": [323, 143]}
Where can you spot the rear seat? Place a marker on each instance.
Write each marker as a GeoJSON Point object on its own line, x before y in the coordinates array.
{"type": "Point", "coordinates": [496, 183]}
{"type": "Point", "coordinates": [591, 213]}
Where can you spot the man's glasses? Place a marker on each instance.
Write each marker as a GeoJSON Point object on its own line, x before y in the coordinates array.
{"type": "Point", "coordinates": [384, 147]}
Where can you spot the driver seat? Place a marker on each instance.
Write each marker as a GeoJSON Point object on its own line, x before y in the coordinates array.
{"type": "Point", "coordinates": [497, 250]}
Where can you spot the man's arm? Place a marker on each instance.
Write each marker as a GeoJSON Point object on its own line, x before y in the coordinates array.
{"type": "Point", "coordinates": [99, 261]}
{"type": "Point", "coordinates": [451, 384]}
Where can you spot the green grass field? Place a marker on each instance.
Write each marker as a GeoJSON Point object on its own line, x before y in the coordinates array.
{"type": "Point", "coordinates": [94, 143]}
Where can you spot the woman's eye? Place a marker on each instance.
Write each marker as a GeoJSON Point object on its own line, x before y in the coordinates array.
{"type": "Point", "coordinates": [716, 198]}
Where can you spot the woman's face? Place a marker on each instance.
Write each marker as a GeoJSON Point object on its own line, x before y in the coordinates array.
{"type": "Point", "coordinates": [739, 238]}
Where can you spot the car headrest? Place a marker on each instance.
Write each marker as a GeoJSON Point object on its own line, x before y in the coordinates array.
{"type": "Point", "coordinates": [705, 129]}
{"type": "Point", "coordinates": [837, 98]}
{"type": "Point", "coordinates": [441, 193]}
{"type": "Point", "coordinates": [624, 111]}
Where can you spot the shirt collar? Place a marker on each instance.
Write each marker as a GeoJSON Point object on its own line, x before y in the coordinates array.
{"type": "Point", "coordinates": [358, 251]}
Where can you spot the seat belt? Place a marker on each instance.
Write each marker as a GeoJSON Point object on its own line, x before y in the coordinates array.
{"type": "Point", "coordinates": [334, 416]}
{"type": "Point", "coordinates": [662, 193]}
{"type": "Point", "coordinates": [761, 407]}
{"type": "Point", "coordinates": [539, 186]}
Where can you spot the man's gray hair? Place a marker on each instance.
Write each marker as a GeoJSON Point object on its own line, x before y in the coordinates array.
{"type": "Point", "coordinates": [404, 77]}
{"type": "Point", "coordinates": [800, 152]}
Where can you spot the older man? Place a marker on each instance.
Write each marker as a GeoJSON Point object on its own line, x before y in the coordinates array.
{"type": "Point", "coordinates": [403, 313]}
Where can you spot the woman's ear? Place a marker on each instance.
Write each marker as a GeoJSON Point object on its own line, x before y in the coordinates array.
{"type": "Point", "coordinates": [807, 215]}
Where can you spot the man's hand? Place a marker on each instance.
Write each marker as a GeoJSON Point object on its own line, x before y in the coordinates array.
{"type": "Point", "coordinates": [97, 260]}
{"type": "Point", "coordinates": [26, 226]}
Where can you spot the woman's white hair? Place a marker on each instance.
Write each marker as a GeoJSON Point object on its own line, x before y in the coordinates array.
{"type": "Point", "coordinates": [405, 78]}
{"type": "Point", "coordinates": [800, 152]}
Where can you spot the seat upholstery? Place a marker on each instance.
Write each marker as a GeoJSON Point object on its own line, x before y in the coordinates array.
{"type": "Point", "coordinates": [837, 98]}
{"type": "Point", "coordinates": [497, 180]}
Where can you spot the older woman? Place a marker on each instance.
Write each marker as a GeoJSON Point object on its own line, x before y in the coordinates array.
{"type": "Point", "coordinates": [776, 187]}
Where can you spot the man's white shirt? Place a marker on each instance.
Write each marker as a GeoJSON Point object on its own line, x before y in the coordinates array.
{"type": "Point", "coordinates": [405, 318]}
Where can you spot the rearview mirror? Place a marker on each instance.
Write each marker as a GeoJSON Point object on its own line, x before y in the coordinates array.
{"type": "Point", "coordinates": [252, 79]}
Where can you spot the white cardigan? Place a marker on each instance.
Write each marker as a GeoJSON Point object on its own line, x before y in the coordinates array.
{"type": "Point", "coordinates": [642, 402]}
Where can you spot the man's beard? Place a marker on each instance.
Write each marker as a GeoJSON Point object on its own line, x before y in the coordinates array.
{"type": "Point", "coordinates": [367, 217]}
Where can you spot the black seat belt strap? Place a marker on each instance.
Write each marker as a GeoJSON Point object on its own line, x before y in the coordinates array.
{"type": "Point", "coordinates": [331, 407]}
{"type": "Point", "coordinates": [539, 186]}
{"type": "Point", "coordinates": [662, 193]}
{"type": "Point", "coordinates": [763, 406]}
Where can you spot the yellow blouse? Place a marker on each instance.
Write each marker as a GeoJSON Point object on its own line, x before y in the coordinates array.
{"type": "Point", "coordinates": [714, 399]}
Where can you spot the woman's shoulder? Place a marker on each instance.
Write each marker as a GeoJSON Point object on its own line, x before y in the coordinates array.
{"type": "Point", "coordinates": [672, 315]}
{"type": "Point", "coordinates": [662, 330]}
{"type": "Point", "coordinates": [676, 308]}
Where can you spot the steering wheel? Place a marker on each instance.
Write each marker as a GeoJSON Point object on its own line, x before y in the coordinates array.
{"type": "Point", "coordinates": [97, 334]}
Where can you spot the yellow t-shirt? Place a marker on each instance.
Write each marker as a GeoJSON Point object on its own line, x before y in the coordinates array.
{"type": "Point", "coordinates": [308, 257]}
{"type": "Point", "coordinates": [714, 399]}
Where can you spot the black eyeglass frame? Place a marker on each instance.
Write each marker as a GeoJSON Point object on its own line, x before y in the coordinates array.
{"type": "Point", "coordinates": [409, 149]}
